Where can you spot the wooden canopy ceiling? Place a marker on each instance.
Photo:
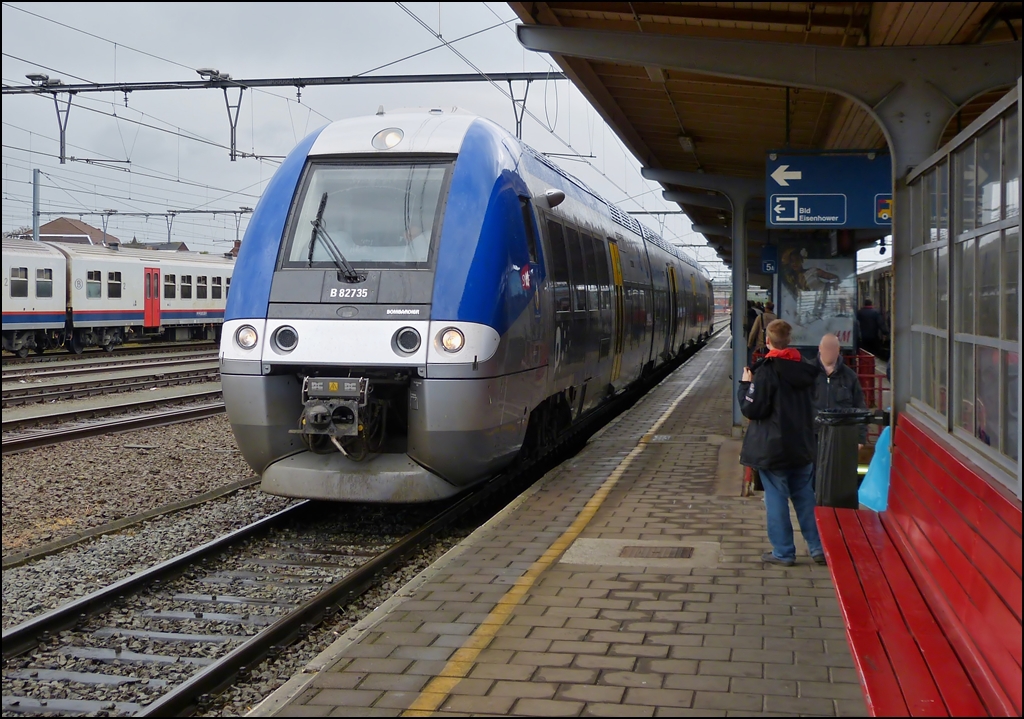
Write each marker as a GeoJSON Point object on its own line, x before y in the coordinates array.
{"type": "Point", "coordinates": [734, 123]}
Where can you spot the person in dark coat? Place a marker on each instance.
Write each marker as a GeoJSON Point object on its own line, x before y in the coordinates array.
{"type": "Point", "coordinates": [838, 385]}
{"type": "Point", "coordinates": [872, 328]}
{"type": "Point", "coordinates": [777, 397]}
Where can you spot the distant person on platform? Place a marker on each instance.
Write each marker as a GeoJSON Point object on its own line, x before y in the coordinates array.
{"type": "Point", "coordinates": [755, 340]}
{"type": "Point", "coordinates": [837, 387]}
{"type": "Point", "coordinates": [777, 397]}
{"type": "Point", "coordinates": [872, 328]}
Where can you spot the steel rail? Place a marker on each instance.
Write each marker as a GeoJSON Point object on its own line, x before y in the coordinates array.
{"type": "Point", "coordinates": [112, 365]}
{"type": "Point", "coordinates": [120, 351]}
{"type": "Point", "coordinates": [24, 395]}
{"type": "Point", "coordinates": [39, 551]}
{"type": "Point", "coordinates": [124, 424]}
{"type": "Point", "coordinates": [23, 637]}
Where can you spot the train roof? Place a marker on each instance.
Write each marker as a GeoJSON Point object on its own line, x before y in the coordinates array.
{"type": "Point", "coordinates": [17, 245]}
{"type": "Point", "coordinates": [442, 131]}
{"type": "Point", "coordinates": [125, 253]}
{"type": "Point", "coordinates": [874, 266]}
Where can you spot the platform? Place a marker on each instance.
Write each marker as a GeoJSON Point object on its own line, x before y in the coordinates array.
{"type": "Point", "coordinates": [627, 582]}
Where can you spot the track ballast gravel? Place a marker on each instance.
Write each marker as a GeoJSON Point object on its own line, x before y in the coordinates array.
{"type": "Point", "coordinates": [55, 580]}
{"type": "Point", "coordinates": [51, 492]}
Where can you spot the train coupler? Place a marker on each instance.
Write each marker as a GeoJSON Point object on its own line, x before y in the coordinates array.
{"type": "Point", "coordinates": [331, 406]}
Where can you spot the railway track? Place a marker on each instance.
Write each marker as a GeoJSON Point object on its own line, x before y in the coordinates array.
{"type": "Point", "coordinates": [45, 438]}
{"type": "Point", "coordinates": [91, 353]}
{"type": "Point", "coordinates": [162, 641]}
{"type": "Point", "coordinates": [155, 643]}
{"type": "Point", "coordinates": [189, 373]}
{"type": "Point", "coordinates": [98, 365]}
{"type": "Point", "coordinates": [206, 392]}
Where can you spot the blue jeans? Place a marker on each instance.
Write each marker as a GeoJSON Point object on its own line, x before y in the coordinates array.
{"type": "Point", "coordinates": [780, 486]}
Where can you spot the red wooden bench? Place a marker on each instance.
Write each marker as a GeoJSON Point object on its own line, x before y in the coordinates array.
{"type": "Point", "coordinates": [930, 590]}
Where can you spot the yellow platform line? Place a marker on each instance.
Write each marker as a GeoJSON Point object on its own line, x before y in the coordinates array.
{"type": "Point", "coordinates": [441, 686]}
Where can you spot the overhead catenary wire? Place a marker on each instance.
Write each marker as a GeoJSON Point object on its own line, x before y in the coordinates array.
{"type": "Point", "coordinates": [526, 111]}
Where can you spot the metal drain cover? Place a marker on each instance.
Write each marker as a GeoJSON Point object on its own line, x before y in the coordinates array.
{"type": "Point", "coordinates": [648, 552]}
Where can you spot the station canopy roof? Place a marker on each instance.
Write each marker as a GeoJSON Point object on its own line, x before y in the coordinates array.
{"type": "Point", "coordinates": [734, 123]}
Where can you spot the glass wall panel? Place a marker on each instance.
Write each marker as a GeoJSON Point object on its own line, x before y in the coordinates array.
{"type": "Point", "coordinates": [988, 284]}
{"type": "Point", "coordinates": [928, 370]}
{"type": "Point", "coordinates": [918, 227]}
{"type": "Point", "coordinates": [942, 286]}
{"type": "Point", "coordinates": [986, 403]}
{"type": "Point", "coordinates": [1011, 412]}
{"type": "Point", "coordinates": [931, 207]}
{"type": "Point", "coordinates": [928, 286]}
{"type": "Point", "coordinates": [989, 176]}
{"type": "Point", "coordinates": [941, 362]}
{"type": "Point", "coordinates": [1011, 296]}
{"type": "Point", "coordinates": [965, 189]}
{"type": "Point", "coordinates": [1011, 164]}
{"type": "Point", "coordinates": [918, 296]}
{"type": "Point", "coordinates": [963, 396]}
{"type": "Point", "coordinates": [916, 341]}
{"type": "Point", "coordinates": [943, 200]}
{"type": "Point", "coordinates": [964, 287]}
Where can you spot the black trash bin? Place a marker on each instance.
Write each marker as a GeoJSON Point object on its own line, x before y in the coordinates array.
{"type": "Point", "coordinates": [835, 472]}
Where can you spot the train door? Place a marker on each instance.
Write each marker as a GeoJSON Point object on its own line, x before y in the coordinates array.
{"type": "Point", "coordinates": [619, 312]}
{"type": "Point", "coordinates": [673, 309]}
{"type": "Point", "coordinates": [151, 310]}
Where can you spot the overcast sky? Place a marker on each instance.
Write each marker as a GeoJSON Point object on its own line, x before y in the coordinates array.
{"type": "Point", "coordinates": [185, 164]}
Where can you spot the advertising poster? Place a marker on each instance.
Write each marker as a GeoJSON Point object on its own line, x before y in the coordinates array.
{"type": "Point", "coordinates": [817, 294]}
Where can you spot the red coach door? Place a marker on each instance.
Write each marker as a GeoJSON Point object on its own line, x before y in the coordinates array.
{"type": "Point", "coordinates": [151, 316]}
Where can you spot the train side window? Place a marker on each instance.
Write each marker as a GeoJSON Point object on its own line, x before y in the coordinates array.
{"type": "Point", "coordinates": [559, 269]}
{"type": "Point", "coordinates": [579, 277]}
{"type": "Point", "coordinates": [186, 287]}
{"type": "Point", "coordinates": [531, 237]}
{"type": "Point", "coordinates": [201, 287]}
{"type": "Point", "coordinates": [592, 278]}
{"type": "Point", "coordinates": [44, 282]}
{"type": "Point", "coordinates": [227, 286]}
{"type": "Point", "coordinates": [19, 282]}
{"type": "Point", "coordinates": [215, 288]}
{"type": "Point", "coordinates": [169, 287]}
{"type": "Point", "coordinates": [603, 278]}
{"type": "Point", "coordinates": [93, 284]}
{"type": "Point", "coordinates": [113, 284]}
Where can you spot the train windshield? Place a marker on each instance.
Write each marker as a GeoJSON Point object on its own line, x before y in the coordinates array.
{"type": "Point", "coordinates": [376, 214]}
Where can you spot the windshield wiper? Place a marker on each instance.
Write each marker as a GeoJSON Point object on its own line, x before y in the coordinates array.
{"type": "Point", "coordinates": [345, 271]}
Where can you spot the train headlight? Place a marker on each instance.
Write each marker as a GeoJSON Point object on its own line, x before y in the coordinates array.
{"type": "Point", "coordinates": [246, 337]}
{"type": "Point", "coordinates": [407, 340]}
{"type": "Point", "coordinates": [452, 340]}
{"type": "Point", "coordinates": [386, 139]}
{"type": "Point", "coordinates": [286, 338]}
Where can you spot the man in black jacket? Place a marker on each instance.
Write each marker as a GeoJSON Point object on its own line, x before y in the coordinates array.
{"type": "Point", "coordinates": [837, 386]}
{"type": "Point", "coordinates": [776, 396]}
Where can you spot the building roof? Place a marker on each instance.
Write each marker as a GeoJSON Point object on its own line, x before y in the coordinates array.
{"type": "Point", "coordinates": [733, 122]}
{"type": "Point", "coordinates": [65, 229]}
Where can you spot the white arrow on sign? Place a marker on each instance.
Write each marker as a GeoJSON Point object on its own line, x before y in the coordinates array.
{"type": "Point", "coordinates": [783, 174]}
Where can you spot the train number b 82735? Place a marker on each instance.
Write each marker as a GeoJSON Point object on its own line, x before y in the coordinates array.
{"type": "Point", "coordinates": [349, 292]}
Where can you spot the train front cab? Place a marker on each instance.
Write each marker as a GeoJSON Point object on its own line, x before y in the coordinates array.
{"type": "Point", "coordinates": [441, 318]}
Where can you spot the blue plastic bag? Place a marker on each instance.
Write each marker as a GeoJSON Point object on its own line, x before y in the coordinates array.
{"type": "Point", "coordinates": [874, 491]}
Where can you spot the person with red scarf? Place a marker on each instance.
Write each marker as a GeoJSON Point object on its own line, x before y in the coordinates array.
{"type": "Point", "coordinates": [777, 395]}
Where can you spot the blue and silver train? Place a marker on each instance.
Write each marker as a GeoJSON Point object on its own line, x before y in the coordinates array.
{"type": "Point", "coordinates": [420, 297]}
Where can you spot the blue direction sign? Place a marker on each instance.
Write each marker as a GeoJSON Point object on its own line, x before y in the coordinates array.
{"type": "Point", "coordinates": [850, 189]}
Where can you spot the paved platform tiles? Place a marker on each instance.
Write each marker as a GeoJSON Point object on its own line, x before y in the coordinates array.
{"type": "Point", "coordinates": [510, 623]}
